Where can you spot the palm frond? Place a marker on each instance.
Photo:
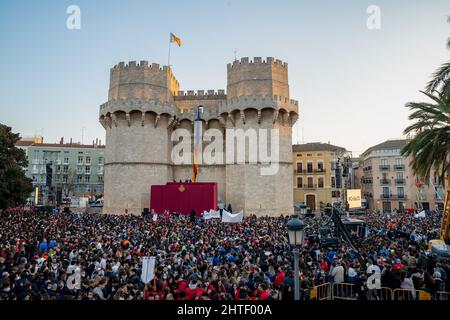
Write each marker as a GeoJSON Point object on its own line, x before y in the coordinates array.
{"type": "Point", "coordinates": [439, 78]}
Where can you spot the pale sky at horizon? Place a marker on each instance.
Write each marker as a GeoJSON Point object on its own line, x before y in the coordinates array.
{"type": "Point", "coordinates": [351, 82]}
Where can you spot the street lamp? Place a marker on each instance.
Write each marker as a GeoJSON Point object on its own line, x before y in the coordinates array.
{"type": "Point", "coordinates": [296, 228]}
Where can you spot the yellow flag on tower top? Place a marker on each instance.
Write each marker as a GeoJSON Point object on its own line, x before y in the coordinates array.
{"type": "Point", "coordinates": [174, 38]}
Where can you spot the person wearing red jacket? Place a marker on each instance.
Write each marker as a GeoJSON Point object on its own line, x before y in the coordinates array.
{"type": "Point", "coordinates": [264, 294]}
{"type": "Point", "coordinates": [193, 291]}
{"type": "Point", "coordinates": [279, 278]}
{"type": "Point", "coordinates": [324, 266]}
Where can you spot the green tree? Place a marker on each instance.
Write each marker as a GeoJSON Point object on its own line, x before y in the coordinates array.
{"type": "Point", "coordinates": [14, 186]}
{"type": "Point", "coordinates": [430, 147]}
{"type": "Point", "coordinates": [440, 81]}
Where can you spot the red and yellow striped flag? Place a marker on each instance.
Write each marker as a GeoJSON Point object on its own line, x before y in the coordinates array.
{"type": "Point", "coordinates": [174, 38]}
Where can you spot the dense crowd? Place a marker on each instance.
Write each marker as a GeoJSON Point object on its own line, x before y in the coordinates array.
{"type": "Point", "coordinates": [41, 256]}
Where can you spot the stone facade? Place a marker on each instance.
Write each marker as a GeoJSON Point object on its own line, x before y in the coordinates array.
{"type": "Point", "coordinates": [145, 106]}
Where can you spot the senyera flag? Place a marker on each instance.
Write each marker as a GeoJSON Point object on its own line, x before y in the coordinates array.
{"type": "Point", "coordinates": [174, 38]}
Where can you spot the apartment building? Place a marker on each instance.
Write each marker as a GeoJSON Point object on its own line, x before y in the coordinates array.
{"type": "Point", "coordinates": [317, 175]}
{"type": "Point", "coordinates": [62, 170]}
{"type": "Point", "coordinates": [388, 182]}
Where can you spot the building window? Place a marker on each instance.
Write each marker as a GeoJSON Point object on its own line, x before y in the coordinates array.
{"type": "Point", "coordinates": [333, 182]}
{"type": "Point", "coordinates": [65, 169]}
{"type": "Point", "coordinates": [101, 160]}
{"type": "Point", "coordinates": [77, 188]}
{"type": "Point", "coordinates": [66, 160]}
{"type": "Point", "coordinates": [299, 167]}
{"type": "Point", "coordinates": [398, 161]}
{"type": "Point", "coordinates": [100, 178]}
{"type": "Point", "coordinates": [99, 188]}
{"type": "Point", "coordinates": [384, 162]}
{"type": "Point", "coordinates": [320, 166]}
{"type": "Point", "coordinates": [400, 192]}
{"type": "Point", "coordinates": [320, 182]}
{"type": "Point", "coordinates": [299, 182]}
{"type": "Point", "coordinates": [335, 194]}
{"type": "Point", "coordinates": [64, 180]}
{"type": "Point", "coordinates": [87, 179]}
{"type": "Point", "coordinates": [310, 182]}
{"type": "Point", "coordinates": [79, 179]}
{"type": "Point", "coordinates": [88, 160]}
{"type": "Point", "coordinates": [309, 167]}
{"type": "Point", "coordinates": [88, 188]}
{"type": "Point", "coordinates": [80, 160]}
{"type": "Point", "coordinates": [87, 170]}
{"type": "Point", "coordinates": [79, 170]}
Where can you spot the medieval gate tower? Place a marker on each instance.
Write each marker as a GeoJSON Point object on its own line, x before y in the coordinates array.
{"type": "Point", "coordinates": [145, 106]}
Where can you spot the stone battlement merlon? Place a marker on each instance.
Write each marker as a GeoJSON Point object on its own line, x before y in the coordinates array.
{"type": "Point", "coordinates": [257, 60]}
{"type": "Point", "coordinates": [200, 94]}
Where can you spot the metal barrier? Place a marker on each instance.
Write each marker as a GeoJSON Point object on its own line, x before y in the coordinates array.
{"type": "Point", "coordinates": [408, 295]}
{"type": "Point", "coordinates": [321, 292]}
{"type": "Point", "coordinates": [442, 295]}
{"type": "Point", "coordinates": [405, 294]}
{"type": "Point", "coordinates": [346, 291]}
{"type": "Point", "coordinates": [385, 294]}
{"type": "Point", "coordinates": [343, 291]}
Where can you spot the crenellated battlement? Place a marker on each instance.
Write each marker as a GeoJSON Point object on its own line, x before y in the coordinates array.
{"type": "Point", "coordinates": [258, 102]}
{"type": "Point", "coordinates": [257, 61]}
{"type": "Point", "coordinates": [142, 81]}
{"type": "Point", "coordinates": [201, 94]}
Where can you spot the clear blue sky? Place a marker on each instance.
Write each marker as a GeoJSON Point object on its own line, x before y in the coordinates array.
{"type": "Point", "coordinates": [352, 82]}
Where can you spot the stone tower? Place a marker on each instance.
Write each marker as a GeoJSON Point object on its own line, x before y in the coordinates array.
{"type": "Point", "coordinates": [145, 105]}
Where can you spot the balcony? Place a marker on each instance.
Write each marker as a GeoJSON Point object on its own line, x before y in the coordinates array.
{"type": "Point", "coordinates": [309, 186]}
{"type": "Point", "coordinates": [393, 196]}
{"type": "Point", "coordinates": [400, 181]}
{"type": "Point", "coordinates": [315, 171]}
{"type": "Point", "coordinates": [399, 167]}
{"type": "Point", "coordinates": [385, 167]}
{"type": "Point", "coordinates": [384, 182]}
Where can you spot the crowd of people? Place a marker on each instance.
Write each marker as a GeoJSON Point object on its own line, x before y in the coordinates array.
{"type": "Point", "coordinates": [73, 256]}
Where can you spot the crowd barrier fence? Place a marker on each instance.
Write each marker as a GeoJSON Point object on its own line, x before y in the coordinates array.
{"type": "Point", "coordinates": [346, 291]}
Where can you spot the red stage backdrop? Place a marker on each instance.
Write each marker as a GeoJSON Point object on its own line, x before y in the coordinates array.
{"type": "Point", "coordinates": [183, 197]}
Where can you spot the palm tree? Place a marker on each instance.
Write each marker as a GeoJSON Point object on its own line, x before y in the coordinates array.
{"type": "Point", "coordinates": [430, 148]}
{"type": "Point", "coordinates": [441, 78]}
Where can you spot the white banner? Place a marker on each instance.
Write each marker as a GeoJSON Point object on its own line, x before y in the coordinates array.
{"type": "Point", "coordinates": [148, 269]}
{"type": "Point", "coordinates": [232, 218]}
{"type": "Point", "coordinates": [421, 214]}
{"type": "Point", "coordinates": [212, 214]}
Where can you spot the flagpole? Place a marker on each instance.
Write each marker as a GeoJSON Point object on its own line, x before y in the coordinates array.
{"type": "Point", "coordinates": [168, 58]}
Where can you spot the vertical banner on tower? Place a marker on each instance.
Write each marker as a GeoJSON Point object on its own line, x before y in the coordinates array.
{"type": "Point", "coordinates": [197, 146]}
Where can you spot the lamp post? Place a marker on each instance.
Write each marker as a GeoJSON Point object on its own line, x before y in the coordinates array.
{"type": "Point", "coordinates": [295, 228]}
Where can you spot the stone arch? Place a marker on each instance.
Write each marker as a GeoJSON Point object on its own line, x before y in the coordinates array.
{"type": "Point", "coordinates": [119, 118]}
{"type": "Point", "coordinates": [135, 117]}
